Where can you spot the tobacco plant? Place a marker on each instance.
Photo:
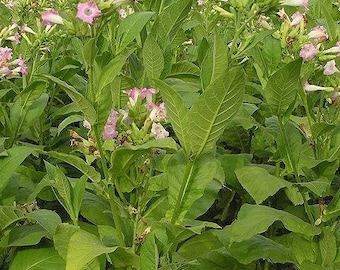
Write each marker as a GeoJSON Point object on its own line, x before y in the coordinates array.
{"type": "Point", "coordinates": [173, 134]}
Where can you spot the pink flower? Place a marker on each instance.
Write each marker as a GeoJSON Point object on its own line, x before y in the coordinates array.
{"type": "Point", "coordinates": [335, 49]}
{"type": "Point", "coordinates": [200, 2]}
{"type": "Point", "coordinates": [110, 126]}
{"type": "Point", "coordinates": [148, 93]}
{"type": "Point", "coordinates": [158, 113]}
{"type": "Point", "coordinates": [51, 17]}
{"type": "Point", "coordinates": [5, 54]}
{"type": "Point", "coordinates": [295, 3]}
{"type": "Point", "coordinates": [297, 17]}
{"type": "Point", "coordinates": [86, 124]}
{"type": "Point", "coordinates": [158, 131]}
{"type": "Point", "coordinates": [23, 67]}
{"type": "Point", "coordinates": [122, 13]}
{"type": "Point", "coordinates": [88, 11]}
{"type": "Point", "coordinates": [330, 68]}
{"type": "Point", "coordinates": [133, 95]}
{"type": "Point", "coordinates": [311, 87]}
{"type": "Point", "coordinates": [318, 33]}
{"type": "Point", "coordinates": [308, 51]}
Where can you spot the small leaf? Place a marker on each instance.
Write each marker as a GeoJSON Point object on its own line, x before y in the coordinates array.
{"type": "Point", "coordinates": [78, 194]}
{"type": "Point", "coordinates": [47, 219]}
{"type": "Point", "coordinates": [83, 248]}
{"type": "Point", "coordinates": [37, 259]}
{"type": "Point", "coordinates": [255, 219]}
{"type": "Point", "coordinates": [153, 58]}
{"type": "Point", "coordinates": [9, 215]}
{"type": "Point", "coordinates": [85, 105]}
{"type": "Point", "coordinates": [282, 87]}
{"type": "Point", "coordinates": [149, 254]}
{"type": "Point", "coordinates": [69, 120]}
{"type": "Point", "coordinates": [251, 178]}
{"type": "Point", "coordinates": [131, 26]}
{"type": "Point", "coordinates": [328, 246]}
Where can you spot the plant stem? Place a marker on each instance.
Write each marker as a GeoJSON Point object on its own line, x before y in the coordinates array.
{"type": "Point", "coordinates": [296, 175]}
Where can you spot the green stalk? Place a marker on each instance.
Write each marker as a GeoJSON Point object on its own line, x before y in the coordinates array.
{"type": "Point", "coordinates": [184, 188]}
{"type": "Point", "coordinates": [296, 175]}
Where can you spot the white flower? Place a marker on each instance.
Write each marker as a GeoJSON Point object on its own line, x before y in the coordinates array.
{"type": "Point", "coordinates": [158, 131]}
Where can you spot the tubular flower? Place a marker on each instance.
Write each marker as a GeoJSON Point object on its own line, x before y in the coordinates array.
{"type": "Point", "coordinates": [318, 33]}
{"type": "Point", "coordinates": [312, 88]}
{"type": "Point", "coordinates": [330, 68]}
{"type": "Point", "coordinates": [110, 126]}
{"type": "Point", "coordinates": [158, 131]}
{"type": "Point", "coordinates": [158, 113]}
{"type": "Point", "coordinates": [308, 51]}
{"type": "Point", "coordinates": [335, 49]}
{"type": "Point", "coordinates": [295, 3]}
{"type": "Point", "coordinates": [297, 17]}
{"type": "Point", "coordinates": [88, 11]}
{"type": "Point", "coordinates": [122, 13]}
{"type": "Point", "coordinates": [51, 17]}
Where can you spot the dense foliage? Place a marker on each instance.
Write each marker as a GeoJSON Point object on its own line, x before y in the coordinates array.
{"type": "Point", "coordinates": [169, 134]}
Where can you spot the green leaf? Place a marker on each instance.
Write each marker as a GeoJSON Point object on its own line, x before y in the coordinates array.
{"type": "Point", "coordinates": [176, 111]}
{"type": "Point", "coordinates": [255, 219]}
{"type": "Point", "coordinates": [78, 194]}
{"type": "Point", "coordinates": [328, 246]}
{"type": "Point", "coordinates": [184, 68]}
{"type": "Point", "coordinates": [37, 259]}
{"type": "Point", "coordinates": [330, 23]}
{"type": "Point", "coordinates": [320, 129]}
{"type": "Point", "coordinates": [9, 215]}
{"type": "Point", "coordinates": [333, 209]}
{"type": "Point", "coordinates": [9, 164]}
{"type": "Point", "coordinates": [169, 21]}
{"type": "Point", "coordinates": [271, 52]}
{"type": "Point", "coordinates": [149, 254]}
{"type": "Point", "coordinates": [26, 235]}
{"type": "Point", "coordinates": [85, 105]}
{"type": "Point", "coordinates": [215, 62]}
{"type": "Point", "coordinates": [47, 219]}
{"type": "Point", "coordinates": [35, 111]}
{"type": "Point", "coordinates": [188, 181]}
{"type": "Point", "coordinates": [282, 87]}
{"type": "Point", "coordinates": [69, 120]}
{"type": "Point", "coordinates": [110, 71]}
{"type": "Point", "coordinates": [153, 58]}
{"type": "Point", "coordinates": [83, 248]}
{"type": "Point", "coordinates": [251, 178]}
{"type": "Point", "coordinates": [131, 26]}
{"type": "Point", "coordinates": [209, 115]}
{"type": "Point", "coordinates": [308, 265]}
{"type": "Point", "coordinates": [62, 237]}
{"type": "Point", "coordinates": [78, 163]}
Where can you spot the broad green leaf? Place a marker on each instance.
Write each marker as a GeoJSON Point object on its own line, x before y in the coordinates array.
{"type": "Point", "coordinates": [188, 181]}
{"type": "Point", "coordinates": [282, 87]}
{"type": "Point", "coordinates": [26, 235]}
{"type": "Point", "coordinates": [131, 26]}
{"type": "Point", "coordinates": [9, 215]}
{"type": "Point", "coordinates": [209, 115]}
{"type": "Point", "coordinates": [47, 219]}
{"type": "Point", "coordinates": [176, 111]}
{"type": "Point", "coordinates": [69, 120]}
{"type": "Point", "coordinates": [83, 248]}
{"type": "Point", "coordinates": [85, 105]}
{"type": "Point", "coordinates": [78, 194]}
{"type": "Point", "coordinates": [184, 68]}
{"type": "Point", "coordinates": [251, 178]}
{"type": "Point", "coordinates": [35, 111]}
{"type": "Point", "coordinates": [328, 246]}
{"type": "Point", "coordinates": [333, 209]}
{"type": "Point", "coordinates": [330, 23]}
{"type": "Point", "coordinates": [62, 237]}
{"type": "Point", "coordinates": [320, 129]}
{"type": "Point", "coordinates": [10, 163]}
{"type": "Point", "coordinates": [318, 187]}
{"type": "Point", "coordinates": [110, 71]}
{"type": "Point", "coordinates": [260, 247]}
{"type": "Point", "coordinates": [215, 62]}
{"type": "Point", "coordinates": [308, 265]}
{"type": "Point", "coordinates": [78, 163]}
{"type": "Point", "coordinates": [125, 257]}
{"type": "Point", "coordinates": [271, 52]}
{"type": "Point", "coordinates": [37, 259]}
{"type": "Point", "coordinates": [170, 19]}
{"type": "Point", "coordinates": [303, 248]}
{"type": "Point", "coordinates": [255, 219]}
{"type": "Point", "coordinates": [153, 58]}
{"type": "Point", "coordinates": [149, 254]}
{"type": "Point", "coordinates": [206, 242]}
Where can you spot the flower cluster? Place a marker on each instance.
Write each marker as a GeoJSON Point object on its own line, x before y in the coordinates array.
{"type": "Point", "coordinates": [9, 66]}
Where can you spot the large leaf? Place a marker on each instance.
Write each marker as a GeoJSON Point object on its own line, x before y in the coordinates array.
{"type": "Point", "coordinates": [85, 105]}
{"type": "Point", "coordinates": [176, 111]}
{"type": "Point", "coordinates": [131, 26]}
{"type": "Point", "coordinates": [282, 87]}
{"type": "Point", "coordinates": [255, 219]}
{"type": "Point", "coordinates": [251, 178]}
{"type": "Point", "coordinates": [209, 115]}
{"type": "Point", "coordinates": [78, 163]}
{"type": "Point", "coordinates": [170, 19]}
{"type": "Point", "coordinates": [26, 235]}
{"type": "Point", "coordinates": [149, 254]}
{"type": "Point", "coordinates": [215, 62]}
{"type": "Point", "coordinates": [153, 58]}
{"type": "Point", "coordinates": [9, 164]}
{"type": "Point", "coordinates": [188, 181]}
{"type": "Point", "coordinates": [9, 215]}
{"type": "Point", "coordinates": [328, 246]}
{"type": "Point", "coordinates": [83, 248]}
{"type": "Point", "coordinates": [47, 219]}
{"type": "Point", "coordinates": [37, 259]}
